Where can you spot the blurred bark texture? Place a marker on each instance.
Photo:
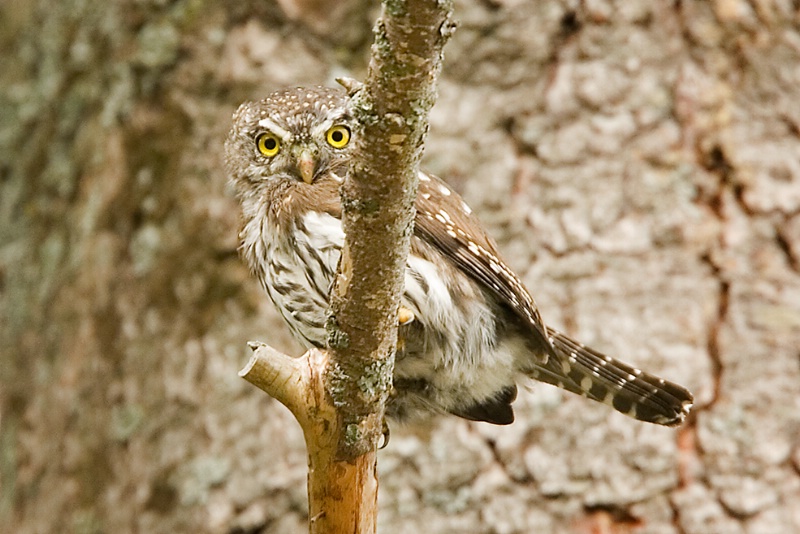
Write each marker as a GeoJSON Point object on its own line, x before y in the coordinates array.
{"type": "Point", "coordinates": [638, 162]}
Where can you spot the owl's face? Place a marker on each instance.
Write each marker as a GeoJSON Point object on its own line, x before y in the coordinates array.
{"type": "Point", "coordinates": [291, 139]}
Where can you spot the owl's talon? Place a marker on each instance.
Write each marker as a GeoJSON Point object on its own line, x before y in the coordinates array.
{"type": "Point", "coordinates": [385, 434]}
{"type": "Point", "coordinates": [405, 316]}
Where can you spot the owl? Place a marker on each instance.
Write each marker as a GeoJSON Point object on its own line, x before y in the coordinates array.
{"type": "Point", "coordinates": [476, 332]}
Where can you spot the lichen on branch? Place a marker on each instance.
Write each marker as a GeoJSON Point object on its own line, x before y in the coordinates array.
{"type": "Point", "coordinates": [378, 196]}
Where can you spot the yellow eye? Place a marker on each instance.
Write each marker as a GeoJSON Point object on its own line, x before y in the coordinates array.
{"type": "Point", "coordinates": [338, 136]}
{"type": "Point", "coordinates": [268, 144]}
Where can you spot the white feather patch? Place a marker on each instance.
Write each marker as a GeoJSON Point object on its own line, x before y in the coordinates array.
{"type": "Point", "coordinates": [324, 231]}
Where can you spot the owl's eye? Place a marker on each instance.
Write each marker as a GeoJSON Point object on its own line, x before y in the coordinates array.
{"type": "Point", "coordinates": [338, 136]}
{"type": "Point", "coordinates": [268, 144]}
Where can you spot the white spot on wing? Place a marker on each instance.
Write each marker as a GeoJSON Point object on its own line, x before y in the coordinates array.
{"type": "Point", "coordinates": [586, 383]}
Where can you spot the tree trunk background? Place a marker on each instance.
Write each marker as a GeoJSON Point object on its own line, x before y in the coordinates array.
{"type": "Point", "coordinates": [638, 162]}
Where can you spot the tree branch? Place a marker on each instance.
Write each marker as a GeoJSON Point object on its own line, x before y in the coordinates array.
{"type": "Point", "coordinates": [378, 210]}
{"type": "Point", "coordinates": [342, 495]}
{"type": "Point", "coordinates": [339, 397]}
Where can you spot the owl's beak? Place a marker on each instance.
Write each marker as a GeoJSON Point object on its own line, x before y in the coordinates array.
{"type": "Point", "coordinates": [305, 164]}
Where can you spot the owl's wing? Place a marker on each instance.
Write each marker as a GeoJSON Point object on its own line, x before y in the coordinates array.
{"type": "Point", "coordinates": [445, 221]}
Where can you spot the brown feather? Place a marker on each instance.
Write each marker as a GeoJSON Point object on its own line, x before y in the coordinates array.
{"type": "Point", "coordinates": [444, 219]}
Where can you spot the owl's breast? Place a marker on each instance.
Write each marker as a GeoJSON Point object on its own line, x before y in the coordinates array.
{"type": "Point", "coordinates": [299, 261]}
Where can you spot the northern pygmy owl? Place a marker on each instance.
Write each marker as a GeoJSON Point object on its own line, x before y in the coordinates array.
{"type": "Point", "coordinates": [477, 332]}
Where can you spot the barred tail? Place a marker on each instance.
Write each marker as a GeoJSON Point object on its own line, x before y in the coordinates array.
{"type": "Point", "coordinates": [628, 390]}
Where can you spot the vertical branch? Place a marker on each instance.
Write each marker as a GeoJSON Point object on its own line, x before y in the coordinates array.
{"type": "Point", "coordinates": [378, 210]}
{"type": "Point", "coordinates": [339, 397]}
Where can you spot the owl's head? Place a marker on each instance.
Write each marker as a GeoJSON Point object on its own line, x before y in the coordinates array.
{"type": "Point", "coordinates": [292, 138]}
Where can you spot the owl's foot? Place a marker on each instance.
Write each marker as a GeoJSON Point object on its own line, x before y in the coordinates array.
{"type": "Point", "coordinates": [405, 316]}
